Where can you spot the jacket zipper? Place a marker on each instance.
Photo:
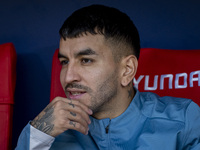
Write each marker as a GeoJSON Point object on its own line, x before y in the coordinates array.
{"type": "Point", "coordinates": [107, 127]}
{"type": "Point", "coordinates": [108, 135]}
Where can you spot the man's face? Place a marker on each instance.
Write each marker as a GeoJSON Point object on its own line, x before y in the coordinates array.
{"type": "Point", "coordinates": [89, 73]}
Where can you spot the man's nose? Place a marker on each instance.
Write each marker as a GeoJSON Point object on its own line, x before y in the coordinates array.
{"type": "Point", "coordinates": [72, 74]}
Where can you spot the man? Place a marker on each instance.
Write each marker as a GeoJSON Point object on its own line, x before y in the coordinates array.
{"type": "Point", "coordinates": [99, 49]}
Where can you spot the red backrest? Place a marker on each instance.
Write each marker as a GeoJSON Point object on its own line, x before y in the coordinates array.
{"type": "Point", "coordinates": [56, 88]}
{"type": "Point", "coordinates": [169, 72]}
{"type": "Point", "coordinates": [165, 72]}
{"type": "Point", "coordinates": [7, 88]}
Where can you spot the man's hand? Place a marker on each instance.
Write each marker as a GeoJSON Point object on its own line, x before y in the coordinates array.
{"type": "Point", "coordinates": [63, 114]}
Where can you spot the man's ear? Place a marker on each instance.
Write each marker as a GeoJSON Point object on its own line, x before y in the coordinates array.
{"type": "Point", "coordinates": [129, 69]}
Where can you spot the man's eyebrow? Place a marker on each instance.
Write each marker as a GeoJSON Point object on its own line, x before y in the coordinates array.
{"type": "Point", "coordinates": [87, 51]}
{"type": "Point", "coordinates": [61, 55]}
{"type": "Point", "coordinates": [80, 53]}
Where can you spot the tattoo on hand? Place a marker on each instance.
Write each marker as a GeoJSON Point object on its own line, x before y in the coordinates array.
{"type": "Point", "coordinates": [44, 121]}
{"type": "Point", "coordinates": [73, 114]}
{"type": "Point", "coordinates": [71, 104]}
{"type": "Point", "coordinates": [72, 123]}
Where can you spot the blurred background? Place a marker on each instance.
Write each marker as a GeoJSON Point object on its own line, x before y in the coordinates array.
{"type": "Point", "coordinates": [32, 26]}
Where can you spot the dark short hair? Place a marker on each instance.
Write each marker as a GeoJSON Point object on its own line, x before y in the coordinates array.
{"type": "Point", "coordinates": [99, 19]}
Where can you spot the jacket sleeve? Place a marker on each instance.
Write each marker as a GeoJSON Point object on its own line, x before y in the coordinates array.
{"type": "Point", "coordinates": [32, 139]}
{"type": "Point", "coordinates": [191, 139]}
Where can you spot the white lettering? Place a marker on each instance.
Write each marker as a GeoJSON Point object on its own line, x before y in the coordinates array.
{"type": "Point", "coordinates": [177, 85]}
{"type": "Point", "coordinates": [192, 79]}
{"type": "Point", "coordinates": [155, 85]}
{"type": "Point", "coordinates": [181, 81]}
{"type": "Point", "coordinates": [170, 76]}
{"type": "Point", "coordinates": [136, 82]}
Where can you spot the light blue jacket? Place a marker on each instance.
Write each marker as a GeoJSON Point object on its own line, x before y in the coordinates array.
{"type": "Point", "coordinates": [149, 123]}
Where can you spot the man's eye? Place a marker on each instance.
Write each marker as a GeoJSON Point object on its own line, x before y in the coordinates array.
{"type": "Point", "coordinates": [64, 62]}
{"type": "Point", "coordinates": [86, 61]}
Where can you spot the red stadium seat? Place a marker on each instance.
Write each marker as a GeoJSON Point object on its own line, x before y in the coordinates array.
{"type": "Point", "coordinates": [56, 88]}
{"type": "Point", "coordinates": [169, 72]}
{"type": "Point", "coordinates": [165, 72]}
{"type": "Point", "coordinates": [7, 88]}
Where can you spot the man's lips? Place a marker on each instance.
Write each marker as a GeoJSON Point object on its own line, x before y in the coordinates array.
{"type": "Point", "coordinates": [74, 93]}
